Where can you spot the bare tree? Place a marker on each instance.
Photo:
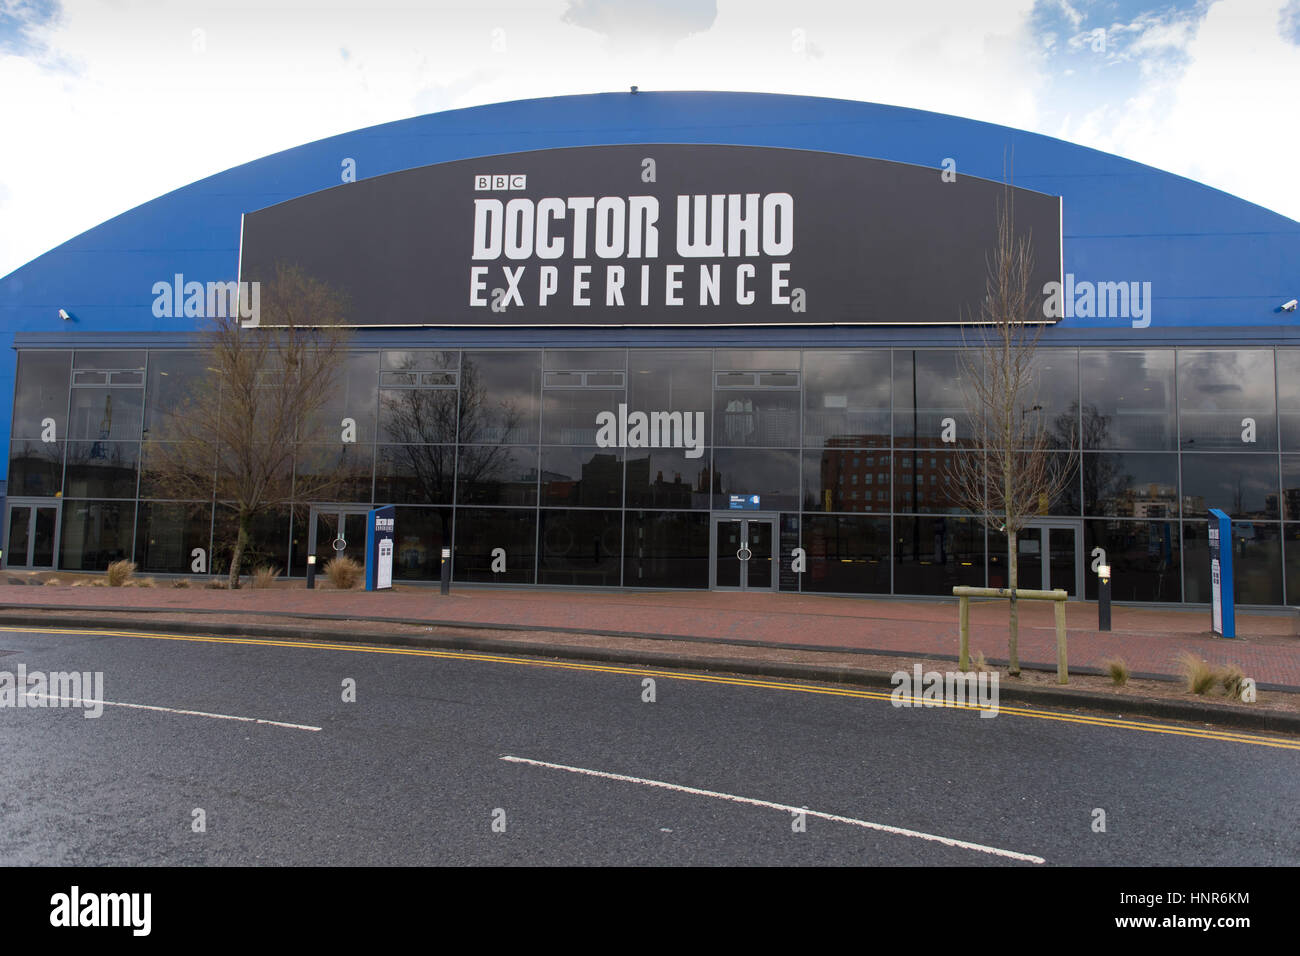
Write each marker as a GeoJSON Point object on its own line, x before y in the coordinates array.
{"type": "Point", "coordinates": [1018, 466]}
{"type": "Point", "coordinates": [240, 427]}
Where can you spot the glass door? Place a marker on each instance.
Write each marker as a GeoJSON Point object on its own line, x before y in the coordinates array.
{"type": "Point", "coordinates": [744, 553]}
{"type": "Point", "coordinates": [728, 569]}
{"type": "Point", "coordinates": [1029, 559]}
{"type": "Point", "coordinates": [338, 531]}
{"type": "Point", "coordinates": [1050, 556]}
{"type": "Point", "coordinates": [758, 569]}
{"type": "Point", "coordinates": [33, 531]}
{"type": "Point", "coordinates": [1061, 559]}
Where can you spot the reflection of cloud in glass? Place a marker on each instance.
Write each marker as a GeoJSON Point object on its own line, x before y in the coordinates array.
{"type": "Point", "coordinates": [500, 397]}
{"type": "Point", "coordinates": [1248, 373]}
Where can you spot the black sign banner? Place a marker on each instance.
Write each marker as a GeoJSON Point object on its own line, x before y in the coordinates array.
{"type": "Point", "coordinates": [655, 235]}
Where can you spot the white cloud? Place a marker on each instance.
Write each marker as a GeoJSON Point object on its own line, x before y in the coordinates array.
{"type": "Point", "coordinates": [632, 24]}
{"type": "Point", "coordinates": [1225, 117]}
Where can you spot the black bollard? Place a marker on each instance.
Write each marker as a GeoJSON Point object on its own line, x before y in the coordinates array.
{"type": "Point", "coordinates": [1103, 603]}
{"type": "Point", "coordinates": [445, 573]}
{"type": "Point", "coordinates": [311, 571]}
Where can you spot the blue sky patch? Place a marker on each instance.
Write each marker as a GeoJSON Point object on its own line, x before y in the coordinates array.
{"type": "Point", "coordinates": [19, 19]}
{"type": "Point", "coordinates": [1098, 53]}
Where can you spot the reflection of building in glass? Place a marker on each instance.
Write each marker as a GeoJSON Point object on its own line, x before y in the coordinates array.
{"type": "Point", "coordinates": [738, 421]}
{"type": "Point", "coordinates": [852, 479]}
{"type": "Point", "coordinates": [671, 492]}
{"type": "Point", "coordinates": [775, 424]}
{"type": "Point", "coordinates": [1152, 501]}
{"type": "Point", "coordinates": [922, 485]}
{"type": "Point", "coordinates": [600, 472]}
{"type": "Point", "coordinates": [746, 420]}
{"type": "Point", "coordinates": [1291, 498]}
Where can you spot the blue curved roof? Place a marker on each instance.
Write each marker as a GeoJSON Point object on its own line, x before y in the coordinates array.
{"type": "Point", "coordinates": [1215, 261]}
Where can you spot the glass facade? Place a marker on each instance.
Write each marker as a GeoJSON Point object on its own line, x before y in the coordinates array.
{"type": "Point", "coordinates": [603, 467]}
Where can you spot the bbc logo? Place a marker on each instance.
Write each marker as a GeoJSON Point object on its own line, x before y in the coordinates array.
{"type": "Point", "coordinates": [489, 181]}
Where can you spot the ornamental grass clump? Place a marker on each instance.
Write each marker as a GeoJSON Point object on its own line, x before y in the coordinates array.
{"type": "Point", "coordinates": [1117, 670]}
{"type": "Point", "coordinates": [1234, 680]}
{"type": "Point", "coordinates": [120, 573]}
{"type": "Point", "coordinates": [1198, 675]}
{"type": "Point", "coordinates": [264, 577]}
{"type": "Point", "coordinates": [344, 573]}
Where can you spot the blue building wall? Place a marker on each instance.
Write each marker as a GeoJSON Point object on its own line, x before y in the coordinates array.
{"type": "Point", "coordinates": [1219, 266]}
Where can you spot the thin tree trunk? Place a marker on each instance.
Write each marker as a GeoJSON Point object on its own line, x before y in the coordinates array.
{"type": "Point", "coordinates": [1009, 503]}
{"type": "Point", "coordinates": [1013, 579]}
{"type": "Point", "coordinates": [241, 542]}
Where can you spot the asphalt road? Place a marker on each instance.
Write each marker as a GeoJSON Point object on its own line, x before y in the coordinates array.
{"type": "Point", "coordinates": [412, 772]}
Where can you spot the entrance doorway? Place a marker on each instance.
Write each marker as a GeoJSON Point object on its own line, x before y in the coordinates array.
{"type": "Point", "coordinates": [743, 553]}
{"type": "Point", "coordinates": [32, 536]}
{"type": "Point", "coordinates": [337, 531]}
{"type": "Point", "coordinates": [1051, 556]}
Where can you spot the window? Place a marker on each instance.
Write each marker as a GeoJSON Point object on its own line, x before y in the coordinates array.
{"type": "Point", "coordinates": [846, 398]}
{"type": "Point", "coordinates": [355, 397]}
{"type": "Point", "coordinates": [1144, 557]}
{"type": "Point", "coordinates": [500, 397]}
{"type": "Point", "coordinates": [931, 555]}
{"type": "Point", "coordinates": [928, 392]}
{"type": "Point", "coordinates": [106, 413]}
{"type": "Point", "coordinates": [1226, 400]}
{"type": "Point", "coordinates": [846, 554]}
{"type": "Point", "coordinates": [1128, 399]}
{"type": "Point", "coordinates": [666, 549]}
{"type": "Point", "coordinates": [772, 475]}
{"type": "Point", "coordinates": [582, 477]}
{"type": "Point", "coordinates": [1245, 486]}
{"type": "Point", "coordinates": [496, 475]}
{"type": "Point", "coordinates": [481, 531]}
{"type": "Point", "coordinates": [1130, 484]}
{"type": "Point", "coordinates": [580, 547]}
{"type": "Point", "coordinates": [41, 394]}
{"type": "Point", "coordinates": [174, 379]}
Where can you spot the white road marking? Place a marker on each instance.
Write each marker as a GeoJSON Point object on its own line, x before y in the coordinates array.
{"type": "Point", "coordinates": [834, 818]}
{"type": "Point", "coordinates": [173, 710]}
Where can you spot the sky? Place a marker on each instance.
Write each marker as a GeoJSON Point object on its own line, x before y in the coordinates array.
{"type": "Point", "coordinates": [105, 104]}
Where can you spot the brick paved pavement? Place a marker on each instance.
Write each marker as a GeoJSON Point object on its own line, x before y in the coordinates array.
{"type": "Point", "coordinates": [1148, 639]}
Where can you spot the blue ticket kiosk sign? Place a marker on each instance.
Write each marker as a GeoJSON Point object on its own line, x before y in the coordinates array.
{"type": "Point", "coordinates": [381, 539]}
{"type": "Point", "coordinates": [1222, 606]}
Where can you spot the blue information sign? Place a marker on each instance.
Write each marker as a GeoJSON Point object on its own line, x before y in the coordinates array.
{"type": "Point", "coordinates": [1222, 606]}
{"type": "Point", "coordinates": [381, 539]}
{"type": "Point", "coordinates": [746, 502]}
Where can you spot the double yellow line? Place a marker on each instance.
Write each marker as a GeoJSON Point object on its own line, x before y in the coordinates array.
{"type": "Point", "coordinates": [1117, 723]}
